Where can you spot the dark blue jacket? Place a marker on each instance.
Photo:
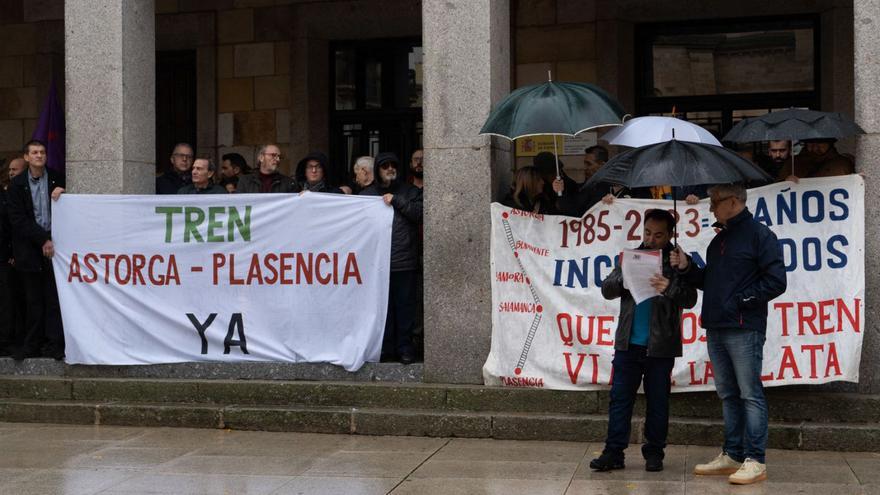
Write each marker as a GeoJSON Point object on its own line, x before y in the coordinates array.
{"type": "Point", "coordinates": [744, 271]}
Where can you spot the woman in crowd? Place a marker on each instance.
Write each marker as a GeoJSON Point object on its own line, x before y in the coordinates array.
{"type": "Point", "coordinates": [527, 192]}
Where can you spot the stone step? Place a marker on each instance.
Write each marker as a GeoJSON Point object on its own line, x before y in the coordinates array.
{"type": "Point", "coordinates": [418, 422]}
{"type": "Point", "coordinates": [370, 372]}
{"type": "Point", "coordinates": [788, 406]}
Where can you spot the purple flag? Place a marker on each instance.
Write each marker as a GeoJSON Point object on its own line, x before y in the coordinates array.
{"type": "Point", "coordinates": [50, 130]}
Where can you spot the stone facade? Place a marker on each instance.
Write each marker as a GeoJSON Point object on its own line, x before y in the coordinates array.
{"type": "Point", "coordinates": [31, 54]}
{"type": "Point", "coordinates": [263, 76]}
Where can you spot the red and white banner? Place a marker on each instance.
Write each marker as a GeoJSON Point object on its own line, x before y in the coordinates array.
{"type": "Point", "coordinates": [552, 328]}
{"type": "Point", "coordinates": [243, 277]}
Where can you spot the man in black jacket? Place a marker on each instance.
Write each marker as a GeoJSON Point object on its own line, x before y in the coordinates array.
{"type": "Point", "coordinates": [203, 171]}
{"type": "Point", "coordinates": [267, 178]}
{"type": "Point", "coordinates": [744, 271]}
{"type": "Point", "coordinates": [172, 180]}
{"type": "Point", "coordinates": [647, 341]}
{"type": "Point", "coordinates": [406, 200]}
{"type": "Point", "coordinates": [29, 197]}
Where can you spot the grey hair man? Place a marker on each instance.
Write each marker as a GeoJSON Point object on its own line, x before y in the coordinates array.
{"type": "Point", "coordinates": [363, 171]}
{"type": "Point", "coordinates": [744, 271]}
{"type": "Point", "coordinates": [179, 175]}
{"type": "Point", "coordinates": [203, 171]}
{"type": "Point", "coordinates": [266, 178]}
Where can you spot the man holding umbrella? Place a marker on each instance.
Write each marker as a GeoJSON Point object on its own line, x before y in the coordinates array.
{"type": "Point", "coordinates": [744, 270]}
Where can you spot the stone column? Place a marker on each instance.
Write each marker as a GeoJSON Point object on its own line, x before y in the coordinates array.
{"type": "Point", "coordinates": [110, 50]}
{"type": "Point", "coordinates": [866, 24]}
{"type": "Point", "coordinates": [466, 70]}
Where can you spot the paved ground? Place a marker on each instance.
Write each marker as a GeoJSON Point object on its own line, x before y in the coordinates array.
{"type": "Point", "coordinates": [50, 459]}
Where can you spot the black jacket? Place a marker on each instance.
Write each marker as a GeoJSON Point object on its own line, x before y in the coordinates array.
{"type": "Point", "coordinates": [407, 205]}
{"type": "Point", "coordinates": [5, 230]}
{"type": "Point", "coordinates": [27, 236]}
{"type": "Point", "coordinates": [545, 206]}
{"type": "Point", "coordinates": [664, 338]}
{"type": "Point", "coordinates": [250, 183]}
{"type": "Point", "coordinates": [327, 185]}
{"type": "Point", "coordinates": [744, 271]}
{"type": "Point", "coordinates": [211, 189]}
{"type": "Point", "coordinates": [170, 182]}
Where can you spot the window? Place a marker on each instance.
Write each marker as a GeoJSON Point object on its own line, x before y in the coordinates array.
{"type": "Point", "coordinates": [715, 73]}
{"type": "Point", "coordinates": [376, 99]}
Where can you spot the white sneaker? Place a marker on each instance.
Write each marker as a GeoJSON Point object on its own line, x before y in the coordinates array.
{"type": "Point", "coordinates": [750, 472]}
{"type": "Point", "coordinates": [722, 464]}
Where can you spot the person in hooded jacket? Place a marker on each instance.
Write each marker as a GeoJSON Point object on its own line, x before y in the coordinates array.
{"type": "Point", "coordinates": [313, 174]}
{"type": "Point", "coordinates": [406, 200]}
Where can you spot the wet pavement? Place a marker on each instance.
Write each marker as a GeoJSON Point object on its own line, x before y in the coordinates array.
{"type": "Point", "coordinates": [53, 459]}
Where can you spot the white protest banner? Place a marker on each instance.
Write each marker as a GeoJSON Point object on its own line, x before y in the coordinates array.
{"type": "Point", "coordinates": [552, 328]}
{"type": "Point", "coordinates": [244, 277]}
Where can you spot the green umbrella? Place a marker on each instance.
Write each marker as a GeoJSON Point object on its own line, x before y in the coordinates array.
{"type": "Point", "coordinates": [553, 108]}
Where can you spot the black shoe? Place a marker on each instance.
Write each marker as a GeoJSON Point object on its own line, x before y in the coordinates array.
{"type": "Point", "coordinates": [22, 354]}
{"type": "Point", "coordinates": [607, 462]}
{"type": "Point", "coordinates": [407, 358]}
{"type": "Point", "coordinates": [653, 464]}
{"type": "Point", "coordinates": [54, 353]}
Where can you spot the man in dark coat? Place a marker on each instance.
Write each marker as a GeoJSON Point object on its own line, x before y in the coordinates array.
{"type": "Point", "coordinates": [203, 171]}
{"type": "Point", "coordinates": [267, 178]}
{"type": "Point", "coordinates": [30, 212]}
{"type": "Point", "coordinates": [406, 200]}
{"type": "Point", "coordinates": [647, 341]}
{"type": "Point", "coordinates": [313, 174]}
{"type": "Point", "coordinates": [181, 160]}
{"type": "Point", "coordinates": [744, 271]}
{"type": "Point", "coordinates": [12, 301]}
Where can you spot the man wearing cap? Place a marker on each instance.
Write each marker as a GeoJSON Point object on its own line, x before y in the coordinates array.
{"type": "Point", "coordinates": [556, 188]}
{"type": "Point", "coordinates": [406, 200]}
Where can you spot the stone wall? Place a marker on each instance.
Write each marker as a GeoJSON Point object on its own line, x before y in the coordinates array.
{"type": "Point", "coordinates": [559, 37]}
{"type": "Point", "coordinates": [243, 58]}
{"type": "Point", "coordinates": [31, 54]}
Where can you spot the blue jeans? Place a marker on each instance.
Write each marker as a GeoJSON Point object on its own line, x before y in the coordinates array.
{"type": "Point", "coordinates": [631, 368]}
{"type": "Point", "coordinates": [736, 356]}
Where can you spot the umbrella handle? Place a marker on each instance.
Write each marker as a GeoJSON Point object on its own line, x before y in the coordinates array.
{"type": "Point", "coordinates": [556, 155]}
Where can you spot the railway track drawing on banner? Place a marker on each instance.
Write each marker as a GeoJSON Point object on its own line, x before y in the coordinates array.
{"type": "Point", "coordinates": [536, 321]}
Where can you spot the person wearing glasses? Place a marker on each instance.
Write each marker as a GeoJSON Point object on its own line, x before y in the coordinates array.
{"type": "Point", "coordinates": [267, 178]}
{"type": "Point", "coordinates": [406, 199]}
{"type": "Point", "coordinates": [179, 176]}
{"type": "Point", "coordinates": [744, 271]}
{"type": "Point", "coordinates": [313, 174]}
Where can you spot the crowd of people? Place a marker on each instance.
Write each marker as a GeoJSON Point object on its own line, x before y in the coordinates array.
{"type": "Point", "coordinates": [30, 315]}
{"type": "Point", "coordinates": [538, 189]}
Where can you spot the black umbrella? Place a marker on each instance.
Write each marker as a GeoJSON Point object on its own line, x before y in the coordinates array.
{"type": "Point", "coordinates": [677, 163]}
{"type": "Point", "coordinates": [794, 124]}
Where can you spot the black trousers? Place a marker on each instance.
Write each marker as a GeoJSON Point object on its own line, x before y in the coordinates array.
{"type": "Point", "coordinates": [401, 319]}
{"type": "Point", "coordinates": [632, 368]}
{"type": "Point", "coordinates": [43, 327]}
{"type": "Point", "coordinates": [7, 317]}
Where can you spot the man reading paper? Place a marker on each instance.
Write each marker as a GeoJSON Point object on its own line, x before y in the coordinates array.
{"type": "Point", "coordinates": [647, 341]}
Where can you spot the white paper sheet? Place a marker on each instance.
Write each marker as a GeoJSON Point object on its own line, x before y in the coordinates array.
{"type": "Point", "coordinates": [638, 266]}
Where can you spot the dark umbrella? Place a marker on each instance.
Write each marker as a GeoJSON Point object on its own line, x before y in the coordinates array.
{"type": "Point", "coordinates": [553, 108]}
{"type": "Point", "coordinates": [792, 125]}
{"type": "Point", "coordinates": [678, 164]}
